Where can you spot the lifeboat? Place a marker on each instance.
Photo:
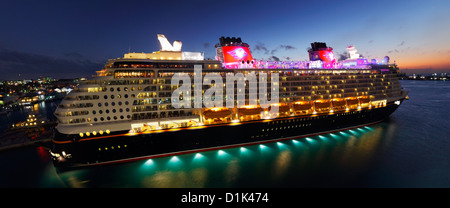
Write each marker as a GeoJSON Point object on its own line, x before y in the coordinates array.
{"type": "Point", "coordinates": [216, 113]}
{"type": "Point", "coordinates": [283, 109]}
{"type": "Point", "coordinates": [352, 103]}
{"type": "Point", "coordinates": [339, 104]}
{"type": "Point", "coordinates": [322, 106]}
{"type": "Point", "coordinates": [302, 108]}
{"type": "Point", "coordinates": [364, 101]}
{"type": "Point", "coordinates": [249, 112]}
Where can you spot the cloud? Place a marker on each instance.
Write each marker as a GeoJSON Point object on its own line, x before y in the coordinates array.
{"type": "Point", "coordinates": [206, 45]}
{"type": "Point", "coordinates": [31, 66]}
{"type": "Point", "coordinates": [392, 51]}
{"type": "Point", "coordinates": [288, 47]}
{"type": "Point", "coordinates": [402, 43]}
{"type": "Point", "coordinates": [261, 47]}
{"type": "Point", "coordinates": [343, 56]}
{"type": "Point", "coordinates": [274, 58]}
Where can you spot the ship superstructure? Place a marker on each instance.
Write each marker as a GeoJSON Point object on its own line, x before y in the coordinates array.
{"type": "Point", "coordinates": [126, 111]}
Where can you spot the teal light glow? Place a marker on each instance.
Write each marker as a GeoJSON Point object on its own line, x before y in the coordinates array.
{"type": "Point", "coordinates": [261, 146]}
{"type": "Point", "coordinates": [221, 153]}
{"type": "Point", "coordinates": [333, 135]}
{"type": "Point", "coordinates": [362, 130]}
{"type": "Point", "coordinates": [282, 145]}
{"type": "Point", "coordinates": [198, 156]}
{"type": "Point", "coordinates": [149, 162]}
{"type": "Point", "coordinates": [354, 132]}
{"type": "Point", "coordinates": [309, 139]}
{"type": "Point", "coordinates": [243, 149]}
{"type": "Point", "coordinates": [174, 159]}
{"type": "Point", "coordinates": [295, 141]}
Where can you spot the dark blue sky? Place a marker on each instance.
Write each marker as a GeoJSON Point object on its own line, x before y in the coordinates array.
{"type": "Point", "coordinates": [75, 38]}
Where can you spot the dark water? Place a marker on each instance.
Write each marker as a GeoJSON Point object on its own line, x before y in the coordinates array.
{"type": "Point", "coordinates": [411, 149]}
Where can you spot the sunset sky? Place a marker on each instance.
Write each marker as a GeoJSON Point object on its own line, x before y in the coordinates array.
{"type": "Point", "coordinates": [73, 38]}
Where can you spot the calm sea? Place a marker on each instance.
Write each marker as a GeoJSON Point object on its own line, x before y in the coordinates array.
{"type": "Point", "coordinates": [410, 149]}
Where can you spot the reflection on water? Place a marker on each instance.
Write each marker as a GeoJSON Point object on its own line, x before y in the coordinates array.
{"type": "Point", "coordinates": [278, 164]}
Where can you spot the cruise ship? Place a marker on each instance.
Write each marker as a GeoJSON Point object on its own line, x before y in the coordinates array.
{"type": "Point", "coordinates": [170, 102]}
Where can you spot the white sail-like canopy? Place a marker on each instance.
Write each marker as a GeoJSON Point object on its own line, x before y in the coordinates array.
{"type": "Point", "coordinates": [166, 46]}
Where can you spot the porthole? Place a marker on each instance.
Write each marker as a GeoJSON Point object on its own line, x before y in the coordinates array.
{"type": "Point", "coordinates": [114, 110]}
{"type": "Point", "coordinates": [118, 89]}
{"type": "Point", "coordinates": [108, 118]}
{"type": "Point", "coordinates": [106, 104]}
{"type": "Point", "coordinates": [115, 117]}
{"type": "Point", "coordinates": [111, 89]}
{"type": "Point", "coordinates": [106, 96]}
{"type": "Point", "coordinates": [113, 103]}
{"type": "Point", "coordinates": [99, 104]}
{"type": "Point", "coordinates": [112, 96]}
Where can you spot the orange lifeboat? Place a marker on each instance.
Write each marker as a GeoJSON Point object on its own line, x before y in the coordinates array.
{"type": "Point", "coordinates": [352, 103]}
{"type": "Point", "coordinates": [216, 113]}
{"type": "Point", "coordinates": [322, 106]}
{"type": "Point", "coordinates": [249, 112]}
{"type": "Point", "coordinates": [283, 109]}
{"type": "Point", "coordinates": [302, 107]}
{"type": "Point", "coordinates": [339, 104]}
{"type": "Point", "coordinates": [364, 101]}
